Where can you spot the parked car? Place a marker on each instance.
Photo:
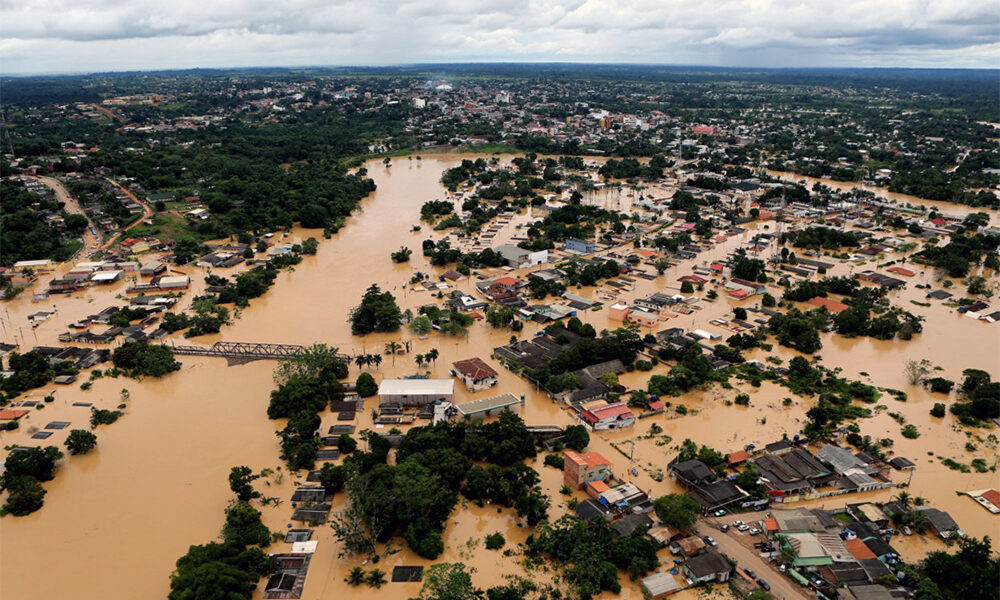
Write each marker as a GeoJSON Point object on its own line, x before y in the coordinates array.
{"type": "Point", "coordinates": [737, 523]}
{"type": "Point", "coordinates": [723, 528]}
{"type": "Point", "coordinates": [750, 573]}
{"type": "Point", "coordinates": [765, 585]}
{"type": "Point", "coordinates": [711, 541]}
{"type": "Point", "coordinates": [743, 527]}
{"type": "Point", "coordinates": [783, 568]}
{"type": "Point", "coordinates": [720, 512]}
{"type": "Point", "coordinates": [755, 531]}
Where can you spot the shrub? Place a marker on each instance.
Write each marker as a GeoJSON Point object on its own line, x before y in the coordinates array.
{"type": "Point", "coordinates": [555, 460]}
{"type": "Point", "coordinates": [495, 541]}
{"type": "Point", "coordinates": [938, 410]}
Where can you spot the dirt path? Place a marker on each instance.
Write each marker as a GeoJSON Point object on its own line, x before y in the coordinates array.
{"type": "Point", "coordinates": [739, 546]}
{"type": "Point", "coordinates": [90, 239]}
{"type": "Point", "coordinates": [147, 212]}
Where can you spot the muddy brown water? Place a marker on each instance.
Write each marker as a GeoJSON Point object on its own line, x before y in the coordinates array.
{"type": "Point", "coordinates": [158, 480]}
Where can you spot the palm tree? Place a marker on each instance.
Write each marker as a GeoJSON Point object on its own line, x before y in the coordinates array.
{"type": "Point", "coordinates": [392, 348]}
{"type": "Point", "coordinates": [356, 577]}
{"type": "Point", "coordinates": [359, 360]}
{"type": "Point", "coordinates": [376, 578]}
{"type": "Point", "coordinates": [420, 360]}
{"type": "Point", "coordinates": [919, 501]}
{"type": "Point", "coordinates": [377, 359]}
{"type": "Point", "coordinates": [432, 355]}
{"type": "Point", "coordinates": [904, 499]}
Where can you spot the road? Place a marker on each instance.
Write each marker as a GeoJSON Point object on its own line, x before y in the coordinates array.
{"type": "Point", "coordinates": [147, 212]}
{"type": "Point", "coordinates": [782, 588]}
{"type": "Point", "coordinates": [110, 113]}
{"type": "Point", "coordinates": [71, 205]}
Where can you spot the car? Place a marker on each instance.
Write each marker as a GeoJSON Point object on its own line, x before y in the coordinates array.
{"type": "Point", "coordinates": [711, 541]}
{"type": "Point", "coordinates": [723, 528]}
{"type": "Point", "coordinates": [783, 568]}
{"type": "Point", "coordinates": [737, 523]}
{"type": "Point", "coordinates": [765, 585]}
{"type": "Point", "coordinates": [755, 531]}
{"type": "Point", "coordinates": [744, 527]}
{"type": "Point", "coordinates": [750, 573]}
{"type": "Point", "coordinates": [720, 512]}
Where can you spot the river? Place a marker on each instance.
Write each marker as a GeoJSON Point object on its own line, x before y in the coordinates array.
{"type": "Point", "coordinates": [115, 521]}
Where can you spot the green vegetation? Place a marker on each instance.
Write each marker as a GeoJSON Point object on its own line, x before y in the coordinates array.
{"type": "Point", "coordinates": [25, 236]}
{"type": "Point", "coordinates": [402, 255]}
{"type": "Point", "coordinates": [434, 464]}
{"type": "Point", "coordinates": [32, 370]}
{"type": "Point", "coordinates": [80, 441]}
{"type": "Point", "coordinates": [377, 312]}
{"type": "Point", "coordinates": [366, 386]}
{"type": "Point", "coordinates": [589, 556]}
{"type": "Point", "coordinates": [679, 511]}
{"type": "Point", "coordinates": [980, 398]}
{"type": "Point", "coordinates": [495, 541]}
{"type": "Point", "coordinates": [24, 470]}
{"type": "Point", "coordinates": [137, 359]}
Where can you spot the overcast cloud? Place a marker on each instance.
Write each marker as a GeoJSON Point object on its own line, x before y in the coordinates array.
{"type": "Point", "coordinates": [102, 35]}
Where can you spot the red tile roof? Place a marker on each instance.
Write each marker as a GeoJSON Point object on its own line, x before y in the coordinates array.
{"type": "Point", "coordinates": [830, 305]}
{"type": "Point", "coordinates": [858, 549]}
{"type": "Point", "coordinates": [611, 411]}
{"type": "Point", "coordinates": [476, 368]}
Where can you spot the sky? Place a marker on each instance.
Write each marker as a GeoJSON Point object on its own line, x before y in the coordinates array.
{"type": "Point", "coordinates": [62, 36]}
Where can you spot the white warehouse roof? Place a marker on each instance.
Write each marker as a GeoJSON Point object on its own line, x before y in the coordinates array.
{"type": "Point", "coordinates": [416, 387]}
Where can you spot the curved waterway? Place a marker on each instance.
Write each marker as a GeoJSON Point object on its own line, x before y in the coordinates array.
{"type": "Point", "coordinates": [115, 521]}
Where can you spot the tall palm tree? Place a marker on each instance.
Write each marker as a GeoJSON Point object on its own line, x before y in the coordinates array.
{"type": "Point", "coordinates": [904, 499]}
{"type": "Point", "coordinates": [356, 577]}
{"type": "Point", "coordinates": [359, 360]}
{"type": "Point", "coordinates": [432, 355]}
{"type": "Point", "coordinates": [420, 360]}
{"type": "Point", "coordinates": [392, 348]}
{"type": "Point", "coordinates": [377, 359]}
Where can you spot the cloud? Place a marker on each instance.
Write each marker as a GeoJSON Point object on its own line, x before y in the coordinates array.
{"type": "Point", "coordinates": [89, 35]}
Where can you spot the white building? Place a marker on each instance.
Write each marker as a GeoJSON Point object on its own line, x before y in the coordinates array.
{"type": "Point", "coordinates": [416, 392]}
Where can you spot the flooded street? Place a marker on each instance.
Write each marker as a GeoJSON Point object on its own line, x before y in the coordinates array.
{"type": "Point", "coordinates": [157, 482]}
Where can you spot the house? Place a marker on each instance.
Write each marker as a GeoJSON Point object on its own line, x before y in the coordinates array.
{"type": "Point", "coordinates": [520, 258]}
{"type": "Point", "coordinates": [688, 547]}
{"type": "Point", "coordinates": [582, 467]}
{"type": "Point", "coordinates": [475, 374]}
{"type": "Point", "coordinates": [749, 288]}
{"type": "Point", "coordinates": [710, 566]}
{"type": "Point", "coordinates": [630, 524]}
{"type": "Point", "coordinates": [718, 494]}
{"type": "Point", "coordinates": [833, 306]}
{"type": "Point", "coordinates": [940, 522]}
{"type": "Point", "coordinates": [591, 509]}
{"type": "Point", "coordinates": [642, 317]}
{"type": "Point", "coordinates": [842, 460]}
{"type": "Point", "coordinates": [659, 585]}
{"type": "Point", "coordinates": [415, 392]}
{"type": "Point", "coordinates": [611, 416]}
{"type": "Point", "coordinates": [692, 472]}
{"type": "Point", "coordinates": [152, 268]}
{"type": "Point", "coordinates": [577, 246]}
{"type": "Point", "coordinates": [664, 535]}
{"type": "Point", "coordinates": [487, 407]}
{"type": "Point", "coordinates": [464, 302]}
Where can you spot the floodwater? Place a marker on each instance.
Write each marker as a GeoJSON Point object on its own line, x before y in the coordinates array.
{"type": "Point", "coordinates": [158, 480]}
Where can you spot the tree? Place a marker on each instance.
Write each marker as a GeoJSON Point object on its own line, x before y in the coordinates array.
{"type": "Point", "coordinates": [448, 581]}
{"type": "Point", "coordinates": [376, 578]}
{"type": "Point", "coordinates": [366, 386]}
{"type": "Point", "coordinates": [679, 511]}
{"type": "Point", "coordinates": [140, 358]}
{"type": "Point", "coordinates": [740, 313]}
{"type": "Point", "coordinates": [916, 372]}
{"type": "Point", "coordinates": [24, 495]}
{"type": "Point", "coordinates": [577, 437]}
{"type": "Point", "coordinates": [402, 255]}
{"type": "Point", "coordinates": [33, 462]}
{"type": "Point", "coordinates": [356, 577]}
{"type": "Point", "coordinates": [240, 480]}
{"type": "Point", "coordinates": [346, 444]}
{"type": "Point", "coordinates": [661, 265]}
{"type": "Point", "coordinates": [378, 312]}
{"type": "Point", "coordinates": [315, 361]}
{"type": "Point", "coordinates": [243, 526]}
{"type": "Point", "coordinates": [687, 288]}
{"type": "Point", "coordinates": [80, 441]}
{"type": "Point", "coordinates": [421, 325]}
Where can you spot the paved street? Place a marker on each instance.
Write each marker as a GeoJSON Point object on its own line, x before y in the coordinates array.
{"type": "Point", "coordinates": [739, 547]}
